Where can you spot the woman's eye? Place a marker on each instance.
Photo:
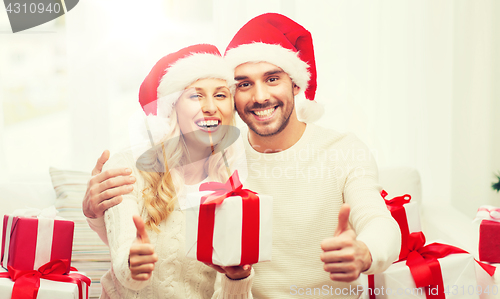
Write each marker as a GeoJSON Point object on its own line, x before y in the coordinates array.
{"type": "Point", "coordinates": [220, 96]}
{"type": "Point", "coordinates": [194, 96]}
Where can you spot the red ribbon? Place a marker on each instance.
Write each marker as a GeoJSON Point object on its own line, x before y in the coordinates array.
{"type": "Point", "coordinates": [398, 212]}
{"type": "Point", "coordinates": [492, 212]}
{"type": "Point", "coordinates": [424, 265]}
{"type": "Point", "coordinates": [27, 282]}
{"type": "Point", "coordinates": [250, 220]}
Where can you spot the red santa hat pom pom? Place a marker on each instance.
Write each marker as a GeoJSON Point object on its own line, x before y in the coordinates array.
{"type": "Point", "coordinates": [283, 42]}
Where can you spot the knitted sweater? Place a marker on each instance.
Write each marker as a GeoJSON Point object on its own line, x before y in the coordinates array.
{"type": "Point", "coordinates": [309, 182]}
{"type": "Point", "coordinates": [175, 275]}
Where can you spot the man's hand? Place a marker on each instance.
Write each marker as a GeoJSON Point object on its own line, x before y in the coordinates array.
{"type": "Point", "coordinates": [344, 256]}
{"type": "Point", "coordinates": [105, 189]}
{"type": "Point", "coordinates": [233, 272]}
{"type": "Point", "coordinates": [142, 257]}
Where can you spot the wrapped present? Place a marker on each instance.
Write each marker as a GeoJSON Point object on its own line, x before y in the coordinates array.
{"type": "Point", "coordinates": [32, 238]}
{"type": "Point", "coordinates": [48, 282]}
{"type": "Point", "coordinates": [487, 285]}
{"type": "Point", "coordinates": [227, 225]}
{"type": "Point", "coordinates": [489, 233]}
{"type": "Point", "coordinates": [432, 271]}
{"type": "Point", "coordinates": [407, 215]}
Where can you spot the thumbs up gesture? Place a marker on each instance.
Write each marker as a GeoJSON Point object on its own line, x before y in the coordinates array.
{"type": "Point", "coordinates": [343, 256]}
{"type": "Point", "coordinates": [142, 256]}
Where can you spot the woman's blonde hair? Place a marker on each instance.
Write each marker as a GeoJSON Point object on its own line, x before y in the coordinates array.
{"type": "Point", "coordinates": [164, 179]}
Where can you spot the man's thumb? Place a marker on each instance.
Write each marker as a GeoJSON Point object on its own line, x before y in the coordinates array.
{"type": "Point", "coordinates": [100, 162]}
{"type": "Point", "coordinates": [142, 235]}
{"type": "Point", "coordinates": [343, 224]}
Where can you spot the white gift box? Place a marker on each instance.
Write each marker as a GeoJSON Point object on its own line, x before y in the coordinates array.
{"type": "Point", "coordinates": [487, 282]}
{"type": "Point", "coordinates": [458, 273]}
{"type": "Point", "coordinates": [413, 217]}
{"type": "Point", "coordinates": [227, 236]}
{"type": "Point", "coordinates": [49, 289]}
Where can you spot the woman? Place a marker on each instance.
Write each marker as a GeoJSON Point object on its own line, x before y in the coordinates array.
{"type": "Point", "coordinates": [189, 92]}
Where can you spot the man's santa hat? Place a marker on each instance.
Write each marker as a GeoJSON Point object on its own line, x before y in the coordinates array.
{"type": "Point", "coordinates": [281, 41]}
{"type": "Point", "coordinates": [163, 86]}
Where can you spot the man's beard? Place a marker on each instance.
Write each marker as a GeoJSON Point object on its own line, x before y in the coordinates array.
{"type": "Point", "coordinates": [285, 119]}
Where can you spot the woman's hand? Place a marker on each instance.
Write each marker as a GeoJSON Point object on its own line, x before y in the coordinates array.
{"type": "Point", "coordinates": [233, 272]}
{"type": "Point", "coordinates": [142, 257]}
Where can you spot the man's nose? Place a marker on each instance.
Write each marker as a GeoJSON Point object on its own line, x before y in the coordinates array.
{"type": "Point", "coordinates": [261, 93]}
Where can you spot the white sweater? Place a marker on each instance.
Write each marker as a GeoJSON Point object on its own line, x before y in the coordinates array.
{"type": "Point", "coordinates": [175, 275]}
{"type": "Point", "coordinates": [309, 182]}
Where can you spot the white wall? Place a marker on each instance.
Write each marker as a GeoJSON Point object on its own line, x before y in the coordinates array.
{"type": "Point", "coordinates": [476, 104]}
{"type": "Point", "coordinates": [416, 80]}
{"type": "Point", "coordinates": [384, 72]}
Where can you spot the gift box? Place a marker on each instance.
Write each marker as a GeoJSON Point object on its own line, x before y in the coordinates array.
{"type": "Point", "coordinates": [489, 241]}
{"type": "Point", "coordinates": [458, 273]}
{"type": "Point", "coordinates": [432, 271]}
{"type": "Point", "coordinates": [74, 285]}
{"type": "Point", "coordinates": [490, 288]}
{"type": "Point", "coordinates": [32, 238]}
{"type": "Point", "coordinates": [489, 234]}
{"type": "Point", "coordinates": [406, 213]}
{"type": "Point", "coordinates": [227, 225]}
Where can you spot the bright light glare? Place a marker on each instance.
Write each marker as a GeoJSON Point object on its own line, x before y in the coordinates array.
{"type": "Point", "coordinates": [136, 23]}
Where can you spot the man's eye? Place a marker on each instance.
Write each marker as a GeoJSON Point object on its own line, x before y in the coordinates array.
{"type": "Point", "coordinates": [244, 84]}
{"type": "Point", "coordinates": [273, 79]}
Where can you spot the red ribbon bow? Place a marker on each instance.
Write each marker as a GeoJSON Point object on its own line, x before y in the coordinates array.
{"type": "Point", "coordinates": [250, 225]}
{"type": "Point", "coordinates": [232, 187]}
{"type": "Point", "coordinates": [494, 213]}
{"type": "Point", "coordinates": [398, 212]}
{"type": "Point", "coordinates": [27, 282]}
{"type": "Point", "coordinates": [424, 265]}
{"type": "Point", "coordinates": [396, 201]}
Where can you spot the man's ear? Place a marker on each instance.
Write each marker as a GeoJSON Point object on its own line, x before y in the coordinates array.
{"type": "Point", "coordinates": [296, 89]}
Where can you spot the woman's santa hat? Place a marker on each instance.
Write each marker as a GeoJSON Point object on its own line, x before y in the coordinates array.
{"type": "Point", "coordinates": [163, 86]}
{"type": "Point", "coordinates": [173, 73]}
{"type": "Point", "coordinates": [281, 41]}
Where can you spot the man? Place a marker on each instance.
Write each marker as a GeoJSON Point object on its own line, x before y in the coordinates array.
{"type": "Point", "coordinates": [322, 181]}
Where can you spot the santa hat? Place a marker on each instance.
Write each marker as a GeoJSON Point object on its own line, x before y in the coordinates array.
{"type": "Point", "coordinates": [163, 86]}
{"type": "Point", "coordinates": [173, 73]}
{"type": "Point", "coordinates": [281, 41]}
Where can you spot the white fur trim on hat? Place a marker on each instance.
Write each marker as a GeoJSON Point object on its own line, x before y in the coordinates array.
{"type": "Point", "coordinates": [188, 70]}
{"type": "Point", "coordinates": [308, 111]}
{"type": "Point", "coordinates": [286, 59]}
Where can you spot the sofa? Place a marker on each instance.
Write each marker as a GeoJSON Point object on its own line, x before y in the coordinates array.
{"type": "Point", "coordinates": [65, 189]}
